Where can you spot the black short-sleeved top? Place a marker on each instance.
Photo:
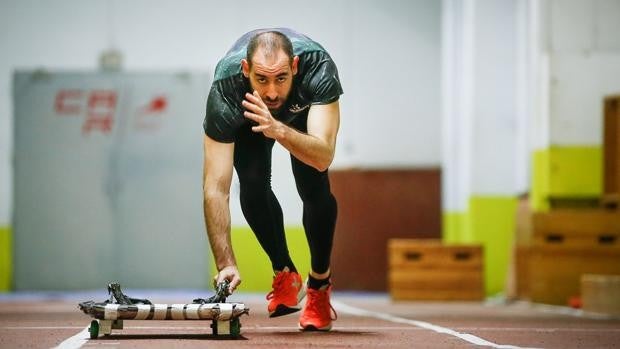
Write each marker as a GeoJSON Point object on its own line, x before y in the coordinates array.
{"type": "Point", "coordinates": [316, 82]}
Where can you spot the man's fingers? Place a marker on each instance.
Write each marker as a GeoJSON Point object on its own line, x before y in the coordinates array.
{"type": "Point", "coordinates": [253, 116]}
{"type": "Point", "coordinates": [258, 129]}
{"type": "Point", "coordinates": [252, 99]}
{"type": "Point", "coordinates": [260, 119]}
{"type": "Point", "coordinates": [234, 283]}
{"type": "Point", "coordinates": [258, 112]}
{"type": "Point", "coordinates": [256, 99]}
{"type": "Point", "coordinates": [220, 277]}
{"type": "Point", "coordinates": [252, 106]}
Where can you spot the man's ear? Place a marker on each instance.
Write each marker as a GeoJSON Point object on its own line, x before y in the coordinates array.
{"type": "Point", "coordinates": [295, 64]}
{"type": "Point", "coordinates": [245, 68]}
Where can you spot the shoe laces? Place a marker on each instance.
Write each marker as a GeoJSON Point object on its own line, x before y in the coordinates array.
{"type": "Point", "coordinates": [319, 299]}
{"type": "Point", "coordinates": [278, 285]}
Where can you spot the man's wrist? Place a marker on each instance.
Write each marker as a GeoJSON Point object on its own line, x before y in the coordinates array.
{"type": "Point", "coordinates": [226, 265]}
{"type": "Point", "coordinates": [282, 133]}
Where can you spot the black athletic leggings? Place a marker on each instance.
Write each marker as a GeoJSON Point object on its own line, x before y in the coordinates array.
{"type": "Point", "coordinates": [262, 209]}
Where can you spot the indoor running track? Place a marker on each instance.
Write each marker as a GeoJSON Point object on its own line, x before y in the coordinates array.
{"type": "Point", "coordinates": [48, 320]}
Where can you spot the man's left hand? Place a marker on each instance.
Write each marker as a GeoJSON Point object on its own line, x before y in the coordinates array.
{"type": "Point", "coordinates": [258, 112]}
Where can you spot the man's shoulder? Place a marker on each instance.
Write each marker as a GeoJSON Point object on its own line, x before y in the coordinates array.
{"type": "Point", "coordinates": [227, 67]}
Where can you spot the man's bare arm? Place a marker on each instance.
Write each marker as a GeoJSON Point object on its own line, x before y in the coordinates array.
{"type": "Point", "coordinates": [316, 148]}
{"type": "Point", "coordinates": [217, 176]}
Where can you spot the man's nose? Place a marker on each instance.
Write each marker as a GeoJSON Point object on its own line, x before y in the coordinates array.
{"type": "Point", "coordinates": [272, 93]}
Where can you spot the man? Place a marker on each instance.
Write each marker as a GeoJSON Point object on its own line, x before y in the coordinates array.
{"type": "Point", "coordinates": [274, 86]}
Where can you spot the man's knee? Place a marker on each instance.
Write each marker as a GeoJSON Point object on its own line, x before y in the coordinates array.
{"type": "Point", "coordinates": [318, 190]}
{"type": "Point", "coordinates": [256, 188]}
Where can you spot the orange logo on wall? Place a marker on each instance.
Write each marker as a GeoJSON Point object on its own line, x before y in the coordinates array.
{"type": "Point", "coordinates": [149, 116]}
{"type": "Point", "coordinates": [157, 105]}
{"type": "Point", "coordinates": [100, 107]}
{"type": "Point", "coordinates": [100, 114]}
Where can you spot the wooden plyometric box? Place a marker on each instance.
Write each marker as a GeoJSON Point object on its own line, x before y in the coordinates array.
{"type": "Point", "coordinates": [565, 245]}
{"type": "Point", "coordinates": [555, 270]}
{"type": "Point", "coordinates": [574, 227]}
{"type": "Point", "coordinates": [429, 270]}
{"type": "Point", "coordinates": [611, 151]}
{"type": "Point", "coordinates": [601, 294]}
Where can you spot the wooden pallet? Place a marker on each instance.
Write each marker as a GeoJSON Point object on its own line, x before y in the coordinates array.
{"type": "Point", "coordinates": [429, 270]}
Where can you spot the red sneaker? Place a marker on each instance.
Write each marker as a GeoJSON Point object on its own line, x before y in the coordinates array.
{"type": "Point", "coordinates": [288, 291]}
{"type": "Point", "coordinates": [317, 314]}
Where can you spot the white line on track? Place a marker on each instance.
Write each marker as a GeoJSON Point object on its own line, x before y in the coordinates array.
{"type": "Point", "coordinates": [81, 338]}
{"type": "Point", "coordinates": [534, 329]}
{"type": "Point", "coordinates": [76, 341]}
{"type": "Point", "coordinates": [426, 325]}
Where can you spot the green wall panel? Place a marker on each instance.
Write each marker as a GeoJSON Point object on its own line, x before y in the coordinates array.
{"type": "Point", "coordinates": [253, 263]}
{"type": "Point", "coordinates": [6, 258]}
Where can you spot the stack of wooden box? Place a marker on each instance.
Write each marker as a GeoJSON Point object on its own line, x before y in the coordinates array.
{"type": "Point", "coordinates": [567, 244]}
{"type": "Point", "coordinates": [423, 269]}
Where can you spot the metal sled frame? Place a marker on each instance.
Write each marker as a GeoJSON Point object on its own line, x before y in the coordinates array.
{"type": "Point", "coordinates": [110, 314]}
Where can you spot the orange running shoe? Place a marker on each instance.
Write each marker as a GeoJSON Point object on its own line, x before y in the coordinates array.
{"type": "Point", "coordinates": [317, 314]}
{"type": "Point", "coordinates": [287, 291]}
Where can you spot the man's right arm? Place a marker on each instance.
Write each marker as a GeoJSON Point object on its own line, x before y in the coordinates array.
{"type": "Point", "coordinates": [217, 177]}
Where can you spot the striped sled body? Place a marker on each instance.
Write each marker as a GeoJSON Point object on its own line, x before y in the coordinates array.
{"type": "Point", "coordinates": [109, 315]}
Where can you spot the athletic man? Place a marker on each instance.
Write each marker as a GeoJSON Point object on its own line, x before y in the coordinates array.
{"type": "Point", "coordinates": [274, 86]}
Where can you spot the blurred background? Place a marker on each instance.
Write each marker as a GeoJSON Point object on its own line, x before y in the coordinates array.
{"type": "Point", "coordinates": [457, 115]}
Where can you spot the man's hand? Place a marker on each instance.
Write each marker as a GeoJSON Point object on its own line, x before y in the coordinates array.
{"type": "Point", "coordinates": [259, 112]}
{"type": "Point", "coordinates": [315, 148]}
{"type": "Point", "coordinates": [230, 273]}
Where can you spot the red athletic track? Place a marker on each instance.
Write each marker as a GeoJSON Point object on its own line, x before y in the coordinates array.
{"type": "Point", "coordinates": [37, 323]}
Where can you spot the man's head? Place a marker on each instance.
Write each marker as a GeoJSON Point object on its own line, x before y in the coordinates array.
{"type": "Point", "coordinates": [270, 66]}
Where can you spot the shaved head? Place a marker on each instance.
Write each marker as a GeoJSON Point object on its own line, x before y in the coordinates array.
{"type": "Point", "coordinates": [270, 43]}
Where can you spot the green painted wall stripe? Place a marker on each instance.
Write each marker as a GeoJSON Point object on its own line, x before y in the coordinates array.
{"type": "Point", "coordinates": [6, 259]}
{"type": "Point", "coordinates": [566, 171]}
{"type": "Point", "coordinates": [253, 263]}
{"type": "Point", "coordinates": [576, 171]}
{"type": "Point", "coordinates": [539, 190]}
{"type": "Point", "coordinates": [493, 225]}
{"type": "Point", "coordinates": [490, 221]}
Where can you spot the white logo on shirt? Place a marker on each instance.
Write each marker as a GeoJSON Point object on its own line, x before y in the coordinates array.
{"type": "Point", "coordinates": [295, 108]}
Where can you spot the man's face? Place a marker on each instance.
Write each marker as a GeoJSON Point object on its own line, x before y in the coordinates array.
{"type": "Point", "coordinates": [271, 76]}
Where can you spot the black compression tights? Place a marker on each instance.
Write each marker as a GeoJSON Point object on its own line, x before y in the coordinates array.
{"type": "Point", "coordinates": [262, 209]}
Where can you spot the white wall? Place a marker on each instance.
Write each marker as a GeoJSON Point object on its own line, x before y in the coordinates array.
{"type": "Point", "coordinates": [484, 102]}
{"type": "Point", "coordinates": [584, 64]}
{"type": "Point", "coordinates": [494, 128]}
{"type": "Point", "coordinates": [387, 51]}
